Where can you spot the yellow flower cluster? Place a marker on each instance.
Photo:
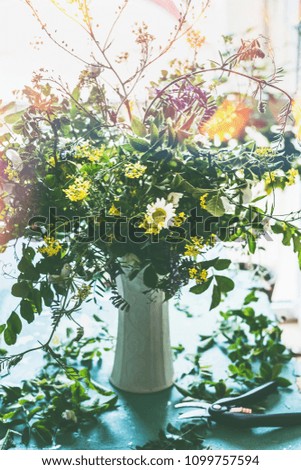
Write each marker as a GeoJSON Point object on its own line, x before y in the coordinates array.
{"type": "Point", "coordinates": [51, 161]}
{"type": "Point", "coordinates": [87, 152]}
{"type": "Point", "coordinates": [51, 248]}
{"type": "Point", "coordinates": [291, 176]}
{"type": "Point", "coordinates": [179, 219]}
{"type": "Point", "coordinates": [199, 275]}
{"type": "Point", "coordinates": [79, 190]}
{"type": "Point", "coordinates": [83, 292]}
{"type": "Point", "coordinates": [270, 177]}
{"type": "Point", "coordinates": [195, 39]}
{"type": "Point", "coordinates": [264, 151]}
{"type": "Point", "coordinates": [212, 240]}
{"type": "Point", "coordinates": [134, 170]}
{"type": "Point", "coordinates": [12, 175]}
{"type": "Point", "coordinates": [114, 211]}
{"type": "Point", "coordinates": [194, 248]}
{"type": "Point", "coordinates": [150, 226]}
{"type": "Point", "coordinates": [203, 200]}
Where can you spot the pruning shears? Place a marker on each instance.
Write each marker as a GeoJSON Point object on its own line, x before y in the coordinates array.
{"type": "Point", "coordinates": [231, 411]}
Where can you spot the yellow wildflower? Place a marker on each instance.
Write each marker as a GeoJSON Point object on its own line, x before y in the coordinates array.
{"type": "Point", "coordinates": [195, 39]}
{"type": "Point", "coordinates": [114, 211]}
{"type": "Point", "coordinates": [192, 272]}
{"type": "Point", "coordinates": [134, 170]}
{"type": "Point", "coordinates": [179, 219]}
{"type": "Point", "coordinates": [270, 177]}
{"type": "Point", "coordinates": [191, 250]}
{"type": "Point", "coordinates": [199, 275]}
{"type": "Point", "coordinates": [79, 190]}
{"type": "Point", "coordinates": [12, 175]}
{"type": "Point", "coordinates": [87, 152]}
{"type": "Point", "coordinates": [291, 176]}
{"type": "Point", "coordinates": [149, 226]}
{"type": "Point", "coordinates": [203, 200]}
{"type": "Point", "coordinates": [264, 151]}
{"type": "Point", "coordinates": [212, 240]}
{"type": "Point", "coordinates": [198, 242]}
{"type": "Point", "coordinates": [51, 161]}
{"type": "Point", "coordinates": [194, 248]}
{"type": "Point", "coordinates": [51, 248]}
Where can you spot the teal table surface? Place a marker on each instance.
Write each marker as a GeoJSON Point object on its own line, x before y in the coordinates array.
{"type": "Point", "coordinates": [139, 418]}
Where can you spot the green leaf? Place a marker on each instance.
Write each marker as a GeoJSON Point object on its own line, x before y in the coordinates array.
{"type": "Point", "coordinates": [14, 323]}
{"type": "Point", "coordinates": [26, 311]}
{"type": "Point", "coordinates": [47, 293]}
{"type": "Point", "coordinates": [172, 137]}
{"type": "Point", "coordinates": [141, 145]}
{"type": "Point", "coordinates": [10, 336]}
{"type": "Point", "coordinates": [287, 236]}
{"type": "Point", "coordinates": [265, 371]}
{"type": "Point", "coordinates": [29, 253]}
{"type": "Point", "coordinates": [277, 227]}
{"type": "Point", "coordinates": [297, 242]}
{"type": "Point", "coordinates": [13, 118]}
{"type": "Point", "coordinates": [93, 385]}
{"type": "Point", "coordinates": [283, 382]}
{"type": "Point", "coordinates": [34, 411]}
{"type": "Point", "coordinates": [35, 296]}
{"type": "Point", "coordinates": [216, 297]}
{"type": "Point", "coordinates": [43, 435]}
{"type": "Point", "coordinates": [26, 267]}
{"type": "Point", "coordinates": [20, 289]}
{"type": "Point", "coordinates": [2, 328]}
{"type": "Point", "coordinates": [26, 435]}
{"type": "Point", "coordinates": [154, 132]}
{"type": "Point", "coordinates": [78, 393]}
{"type": "Point", "coordinates": [276, 370]}
{"type": "Point", "coordinates": [224, 283]}
{"type": "Point", "coordinates": [251, 297]}
{"type": "Point", "coordinates": [251, 242]}
{"type": "Point", "coordinates": [215, 206]}
{"type": "Point", "coordinates": [185, 186]}
{"type": "Point", "coordinates": [76, 93]}
{"type": "Point", "coordinates": [12, 393]}
{"type": "Point", "coordinates": [200, 288]}
{"type": "Point", "coordinates": [150, 277]}
{"type": "Point", "coordinates": [138, 127]}
{"type": "Point", "coordinates": [4, 138]}
{"type": "Point", "coordinates": [193, 149]}
{"type": "Point", "coordinates": [222, 264]}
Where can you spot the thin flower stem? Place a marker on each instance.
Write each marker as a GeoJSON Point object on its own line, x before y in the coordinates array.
{"type": "Point", "coordinates": [44, 28]}
{"type": "Point", "coordinates": [261, 82]}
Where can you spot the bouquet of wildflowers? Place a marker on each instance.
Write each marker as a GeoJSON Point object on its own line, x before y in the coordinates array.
{"type": "Point", "coordinates": [89, 190]}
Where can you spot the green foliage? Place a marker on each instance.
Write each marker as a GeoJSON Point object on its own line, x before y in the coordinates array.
{"type": "Point", "coordinates": [252, 344]}
{"type": "Point", "coordinates": [214, 205]}
{"type": "Point", "coordinates": [187, 437]}
{"type": "Point", "coordinates": [44, 408]}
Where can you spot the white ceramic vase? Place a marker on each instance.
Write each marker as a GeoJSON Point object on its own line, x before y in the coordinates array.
{"type": "Point", "coordinates": [143, 356]}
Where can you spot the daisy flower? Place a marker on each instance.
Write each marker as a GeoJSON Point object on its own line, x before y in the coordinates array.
{"type": "Point", "coordinates": [159, 215]}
